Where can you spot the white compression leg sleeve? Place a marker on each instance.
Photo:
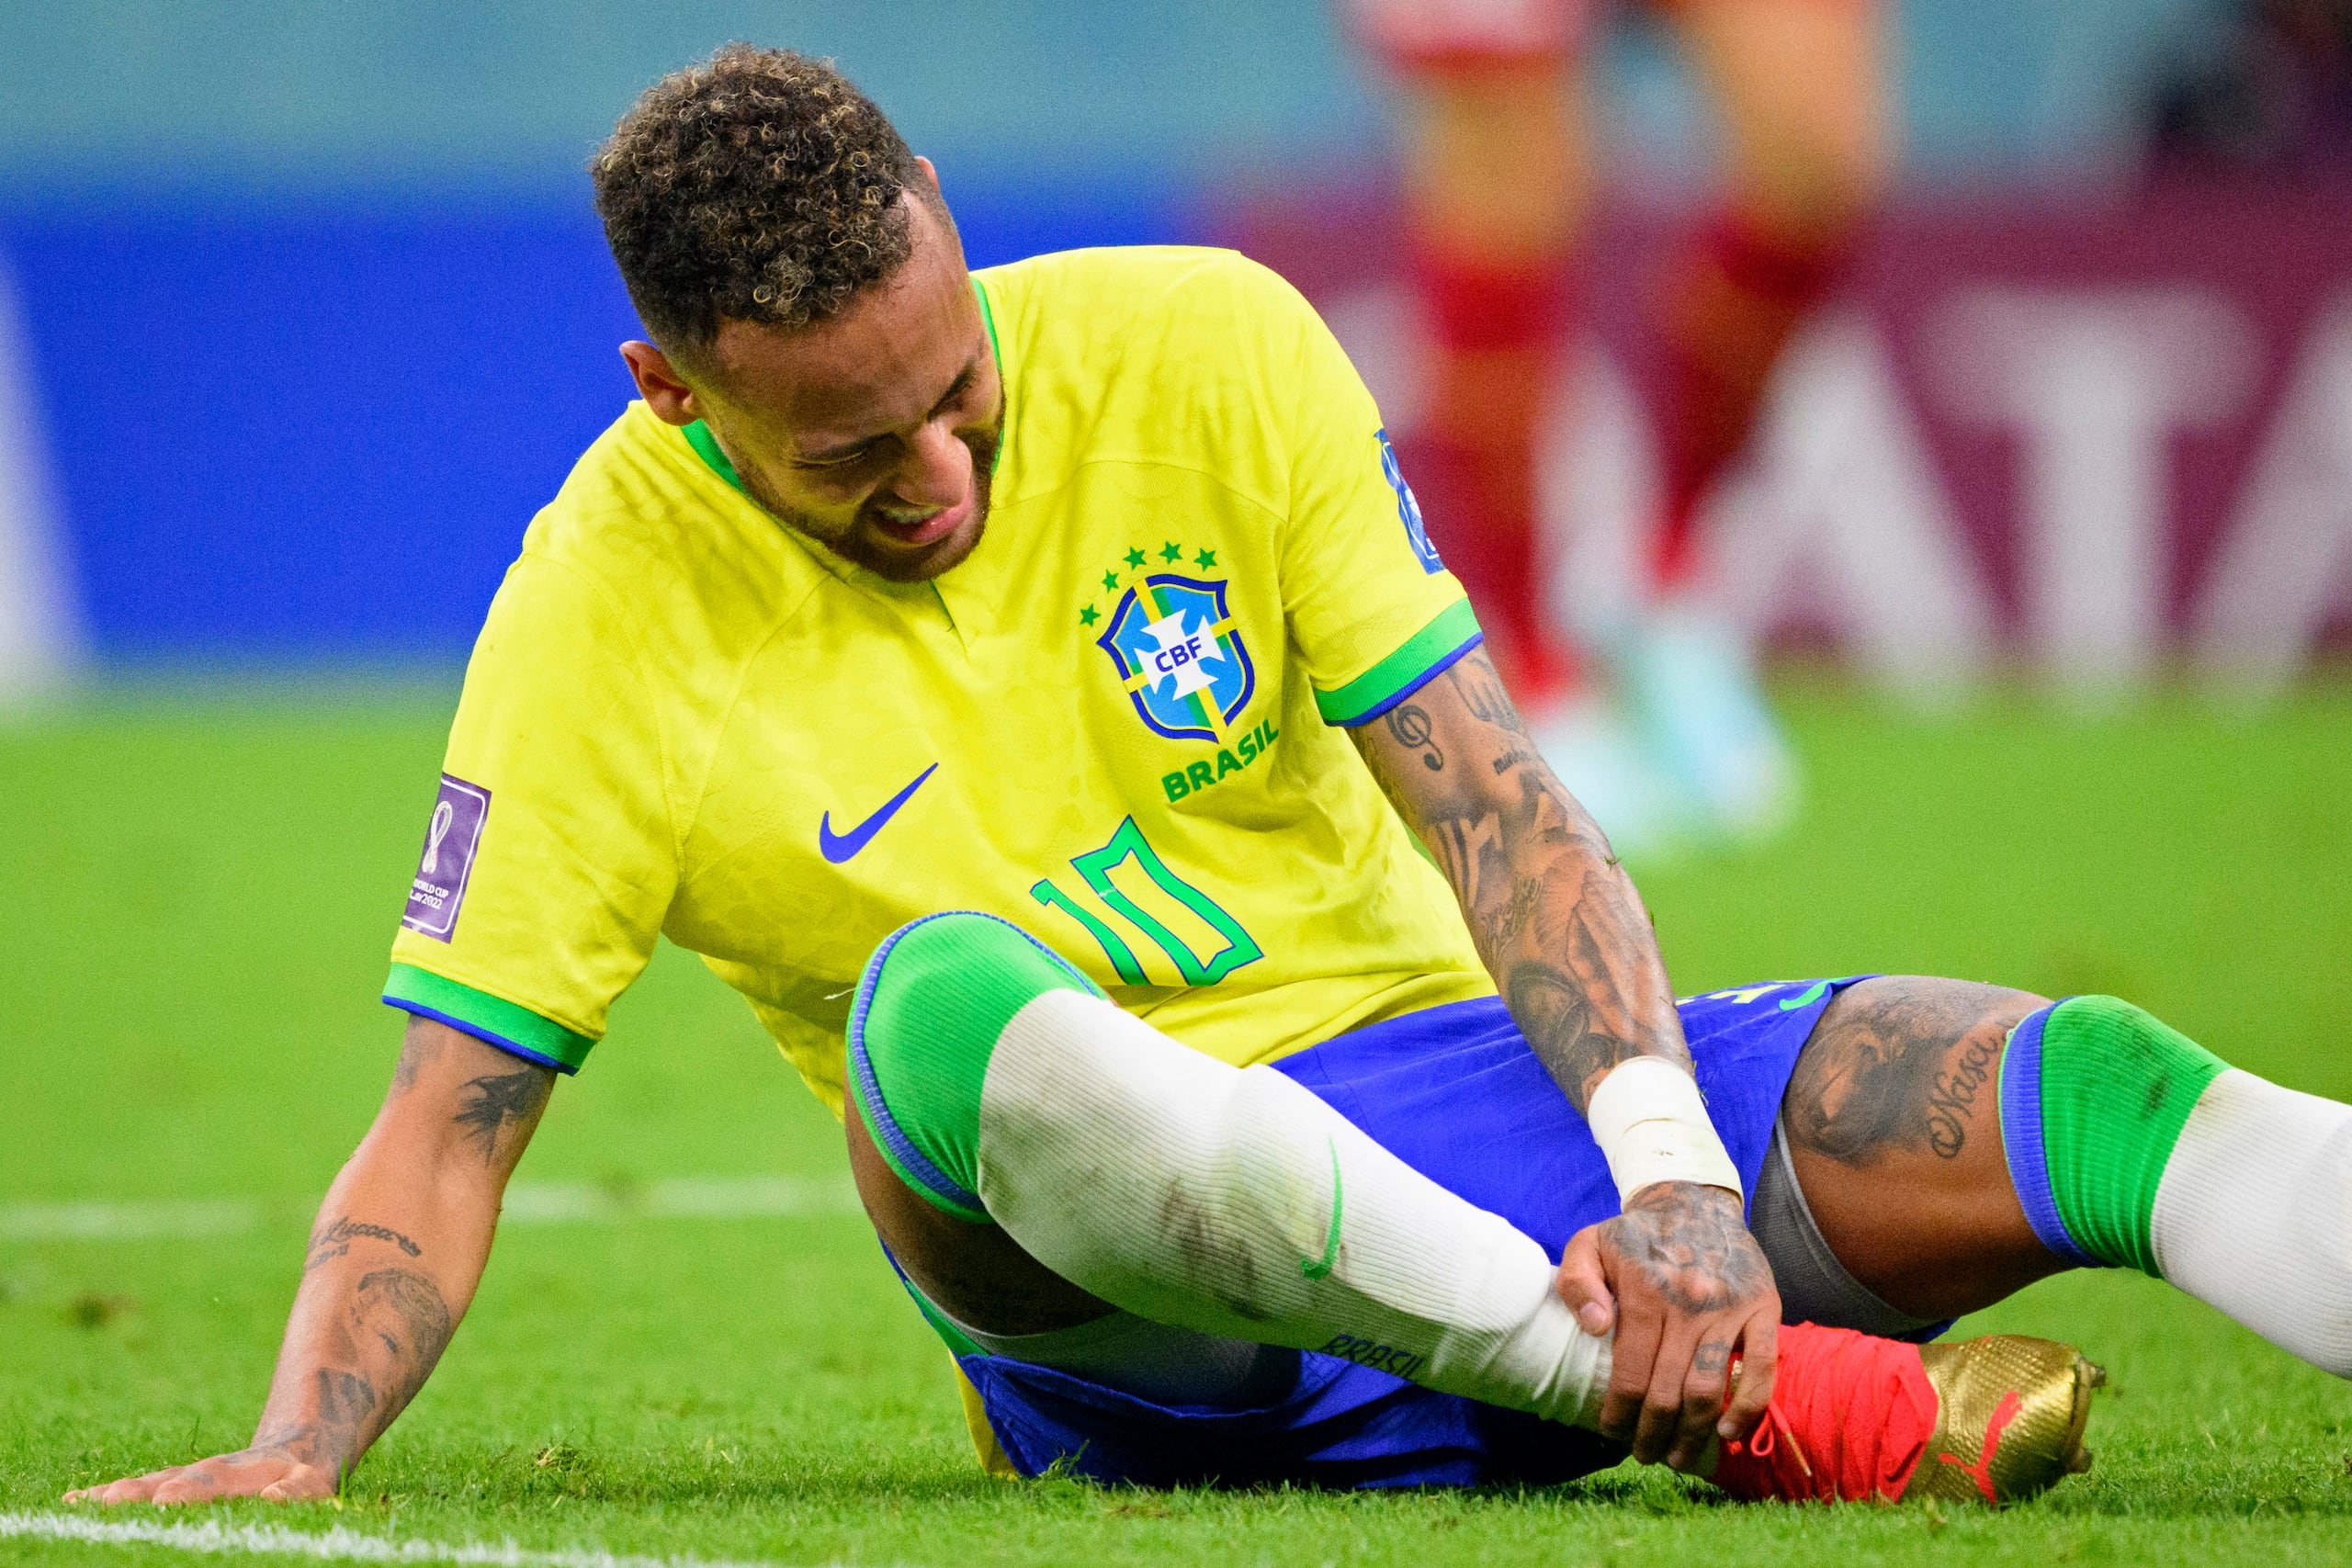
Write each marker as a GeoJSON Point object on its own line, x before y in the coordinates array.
{"type": "Point", "coordinates": [1235, 1202]}
{"type": "Point", "coordinates": [2253, 1214]}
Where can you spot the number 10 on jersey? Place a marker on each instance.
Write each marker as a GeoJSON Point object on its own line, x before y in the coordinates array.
{"type": "Point", "coordinates": [1181, 904]}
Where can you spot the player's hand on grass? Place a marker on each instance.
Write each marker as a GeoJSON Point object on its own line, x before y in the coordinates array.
{"type": "Point", "coordinates": [1689, 1293]}
{"type": "Point", "coordinates": [271, 1474]}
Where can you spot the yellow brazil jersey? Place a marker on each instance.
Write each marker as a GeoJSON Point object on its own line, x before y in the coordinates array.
{"type": "Point", "coordinates": [1113, 723]}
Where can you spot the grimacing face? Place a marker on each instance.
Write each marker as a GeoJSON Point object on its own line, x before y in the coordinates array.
{"type": "Point", "coordinates": [872, 433]}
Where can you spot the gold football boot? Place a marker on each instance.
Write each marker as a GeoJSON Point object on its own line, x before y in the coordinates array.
{"type": "Point", "coordinates": [2010, 1419]}
{"type": "Point", "coordinates": [1853, 1418]}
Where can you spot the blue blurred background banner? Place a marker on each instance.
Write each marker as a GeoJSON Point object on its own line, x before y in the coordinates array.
{"type": "Point", "coordinates": [313, 314]}
{"type": "Point", "coordinates": [269, 421]}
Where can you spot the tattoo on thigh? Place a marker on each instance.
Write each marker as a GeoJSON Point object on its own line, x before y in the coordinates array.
{"type": "Point", "coordinates": [1951, 1101]}
{"type": "Point", "coordinates": [1900, 1065]}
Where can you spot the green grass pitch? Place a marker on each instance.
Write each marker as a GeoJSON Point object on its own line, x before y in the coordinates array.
{"type": "Point", "coordinates": [196, 895]}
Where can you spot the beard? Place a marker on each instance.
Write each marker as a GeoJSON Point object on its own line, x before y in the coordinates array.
{"type": "Point", "coordinates": [864, 543]}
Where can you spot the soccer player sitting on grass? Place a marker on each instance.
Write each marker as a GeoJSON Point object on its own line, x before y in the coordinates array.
{"type": "Point", "coordinates": [1084, 594]}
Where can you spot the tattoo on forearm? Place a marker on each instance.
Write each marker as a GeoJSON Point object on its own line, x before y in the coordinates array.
{"type": "Point", "coordinates": [420, 1048]}
{"type": "Point", "coordinates": [1471, 854]}
{"type": "Point", "coordinates": [1498, 919]}
{"type": "Point", "coordinates": [333, 1240]}
{"type": "Point", "coordinates": [1573, 996]}
{"type": "Point", "coordinates": [1556, 921]}
{"type": "Point", "coordinates": [380, 1351]}
{"type": "Point", "coordinates": [1900, 1064]}
{"type": "Point", "coordinates": [345, 1401]}
{"type": "Point", "coordinates": [399, 1322]}
{"type": "Point", "coordinates": [1410, 726]}
{"type": "Point", "coordinates": [1482, 692]}
{"type": "Point", "coordinates": [499, 1101]}
{"type": "Point", "coordinates": [403, 1310]}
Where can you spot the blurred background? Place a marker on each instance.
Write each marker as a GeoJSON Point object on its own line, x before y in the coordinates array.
{"type": "Point", "coordinates": [303, 311]}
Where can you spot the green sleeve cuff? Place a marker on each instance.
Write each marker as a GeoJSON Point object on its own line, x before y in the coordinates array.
{"type": "Point", "coordinates": [493, 1020]}
{"type": "Point", "coordinates": [1426, 654]}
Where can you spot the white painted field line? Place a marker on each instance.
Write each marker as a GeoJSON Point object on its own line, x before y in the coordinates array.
{"type": "Point", "coordinates": [336, 1545]}
{"type": "Point", "coordinates": [128, 1222]}
{"type": "Point", "coordinates": [527, 1203]}
{"type": "Point", "coordinates": [681, 1198]}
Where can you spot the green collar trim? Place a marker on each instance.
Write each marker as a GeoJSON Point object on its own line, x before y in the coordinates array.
{"type": "Point", "coordinates": [988, 315]}
{"type": "Point", "coordinates": [706, 445]}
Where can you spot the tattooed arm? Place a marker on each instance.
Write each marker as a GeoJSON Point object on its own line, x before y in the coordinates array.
{"type": "Point", "coordinates": [1570, 947]}
{"type": "Point", "coordinates": [393, 1260]}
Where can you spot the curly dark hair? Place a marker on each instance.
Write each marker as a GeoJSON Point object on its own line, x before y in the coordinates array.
{"type": "Point", "coordinates": [760, 185]}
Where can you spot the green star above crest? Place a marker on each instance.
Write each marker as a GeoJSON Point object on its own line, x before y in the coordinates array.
{"type": "Point", "coordinates": [1171, 552]}
{"type": "Point", "coordinates": [1207, 558]}
{"type": "Point", "coordinates": [1110, 582]}
{"type": "Point", "coordinates": [1135, 556]}
{"type": "Point", "coordinates": [1088, 616]}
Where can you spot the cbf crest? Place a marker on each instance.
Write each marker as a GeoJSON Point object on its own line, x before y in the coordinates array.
{"type": "Point", "coordinates": [1181, 657]}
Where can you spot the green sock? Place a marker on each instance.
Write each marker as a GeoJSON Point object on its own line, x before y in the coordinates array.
{"type": "Point", "coordinates": [935, 995]}
{"type": "Point", "coordinates": [2116, 1085]}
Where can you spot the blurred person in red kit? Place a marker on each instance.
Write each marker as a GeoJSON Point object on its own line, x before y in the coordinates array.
{"type": "Point", "coordinates": [1498, 178]}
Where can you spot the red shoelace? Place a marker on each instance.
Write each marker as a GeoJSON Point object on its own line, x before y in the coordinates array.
{"type": "Point", "coordinates": [1849, 1418]}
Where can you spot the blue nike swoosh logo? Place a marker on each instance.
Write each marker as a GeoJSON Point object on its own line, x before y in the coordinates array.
{"type": "Point", "coordinates": [839, 847]}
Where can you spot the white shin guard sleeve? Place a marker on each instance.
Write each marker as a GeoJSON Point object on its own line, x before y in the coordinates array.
{"type": "Point", "coordinates": [1235, 1202]}
{"type": "Point", "coordinates": [2253, 1214]}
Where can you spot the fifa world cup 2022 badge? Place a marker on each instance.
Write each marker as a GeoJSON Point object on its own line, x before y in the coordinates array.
{"type": "Point", "coordinates": [450, 841]}
{"type": "Point", "coordinates": [1408, 511]}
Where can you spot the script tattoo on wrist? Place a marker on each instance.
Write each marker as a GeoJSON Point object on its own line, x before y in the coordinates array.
{"type": "Point", "coordinates": [498, 1101]}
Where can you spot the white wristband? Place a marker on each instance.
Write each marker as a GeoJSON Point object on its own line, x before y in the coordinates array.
{"type": "Point", "coordinates": [1651, 1123]}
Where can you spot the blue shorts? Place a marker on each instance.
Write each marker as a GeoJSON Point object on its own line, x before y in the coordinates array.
{"type": "Point", "coordinates": [1455, 1092]}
